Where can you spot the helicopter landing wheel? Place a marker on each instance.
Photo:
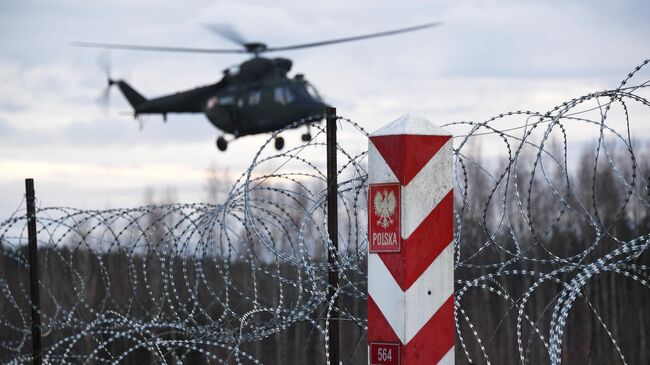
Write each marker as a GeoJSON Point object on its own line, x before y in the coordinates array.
{"type": "Point", "coordinates": [222, 144]}
{"type": "Point", "coordinates": [306, 137]}
{"type": "Point", "coordinates": [279, 143]}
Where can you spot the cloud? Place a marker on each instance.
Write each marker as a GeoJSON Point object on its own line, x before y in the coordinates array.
{"type": "Point", "coordinates": [488, 57]}
{"type": "Point", "coordinates": [108, 132]}
{"type": "Point", "coordinates": [12, 106]}
{"type": "Point", "coordinates": [577, 39]}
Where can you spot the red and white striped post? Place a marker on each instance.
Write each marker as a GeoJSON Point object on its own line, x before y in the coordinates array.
{"type": "Point", "coordinates": [411, 255]}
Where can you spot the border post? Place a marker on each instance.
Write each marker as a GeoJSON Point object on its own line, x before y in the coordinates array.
{"type": "Point", "coordinates": [34, 285]}
{"type": "Point", "coordinates": [411, 254]}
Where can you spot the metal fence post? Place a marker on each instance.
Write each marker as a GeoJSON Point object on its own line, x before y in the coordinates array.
{"type": "Point", "coordinates": [410, 234]}
{"type": "Point", "coordinates": [333, 232]}
{"type": "Point", "coordinates": [30, 198]}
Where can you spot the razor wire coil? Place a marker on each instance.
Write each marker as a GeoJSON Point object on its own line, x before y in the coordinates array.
{"type": "Point", "coordinates": [535, 229]}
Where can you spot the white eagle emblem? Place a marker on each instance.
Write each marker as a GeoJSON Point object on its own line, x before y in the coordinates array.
{"type": "Point", "coordinates": [385, 208]}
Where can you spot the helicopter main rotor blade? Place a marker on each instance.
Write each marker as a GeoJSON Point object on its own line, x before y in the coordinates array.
{"type": "Point", "coordinates": [228, 32]}
{"type": "Point", "coordinates": [104, 62]}
{"type": "Point", "coordinates": [135, 47]}
{"type": "Point", "coordinates": [352, 39]}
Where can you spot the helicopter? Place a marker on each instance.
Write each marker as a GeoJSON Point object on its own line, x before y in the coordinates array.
{"type": "Point", "coordinates": [257, 96]}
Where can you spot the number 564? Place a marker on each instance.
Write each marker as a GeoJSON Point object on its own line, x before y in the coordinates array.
{"type": "Point", "coordinates": [384, 353]}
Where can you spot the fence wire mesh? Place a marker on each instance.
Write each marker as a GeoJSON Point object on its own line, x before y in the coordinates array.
{"type": "Point", "coordinates": [551, 253]}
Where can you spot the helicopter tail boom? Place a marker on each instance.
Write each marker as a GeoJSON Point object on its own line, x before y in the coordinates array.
{"type": "Point", "coordinates": [190, 101]}
{"type": "Point", "coordinates": [135, 98]}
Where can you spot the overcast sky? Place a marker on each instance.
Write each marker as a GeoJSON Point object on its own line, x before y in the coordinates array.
{"type": "Point", "coordinates": [488, 57]}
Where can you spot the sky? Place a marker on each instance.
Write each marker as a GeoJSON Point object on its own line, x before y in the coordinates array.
{"type": "Point", "coordinates": [488, 57]}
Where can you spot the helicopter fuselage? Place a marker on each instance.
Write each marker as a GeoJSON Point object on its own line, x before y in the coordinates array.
{"type": "Point", "coordinates": [262, 106]}
{"type": "Point", "coordinates": [257, 97]}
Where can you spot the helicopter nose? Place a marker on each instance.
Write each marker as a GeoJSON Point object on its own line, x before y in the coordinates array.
{"type": "Point", "coordinates": [322, 106]}
{"type": "Point", "coordinates": [315, 108]}
{"type": "Point", "coordinates": [320, 110]}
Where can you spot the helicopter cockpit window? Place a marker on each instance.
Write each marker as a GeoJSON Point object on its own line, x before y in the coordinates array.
{"type": "Point", "coordinates": [226, 100]}
{"type": "Point", "coordinates": [289, 95]}
{"type": "Point", "coordinates": [278, 95]}
{"type": "Point", "coordinates": [312, 92]}
{"type": "Point", "coordinates": [283, 95]}
{"type": "Point", "coordinates": [254, 97]}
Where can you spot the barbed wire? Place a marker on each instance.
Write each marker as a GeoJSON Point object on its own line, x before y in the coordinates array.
{"type": "Point", "coordinates": [552, 221]}
{"type": "Point", "coordinates": [181, 280]}
{"type": "Point", "coordinates": [558, 216]}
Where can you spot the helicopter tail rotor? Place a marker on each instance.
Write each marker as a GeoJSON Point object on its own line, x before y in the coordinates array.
{"type": "Point", "coordinates": [104, 62]}
{"type": "Point", "coordinates": [133, 97]}
{"type": "Point", "coordinates": [104, 98]}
